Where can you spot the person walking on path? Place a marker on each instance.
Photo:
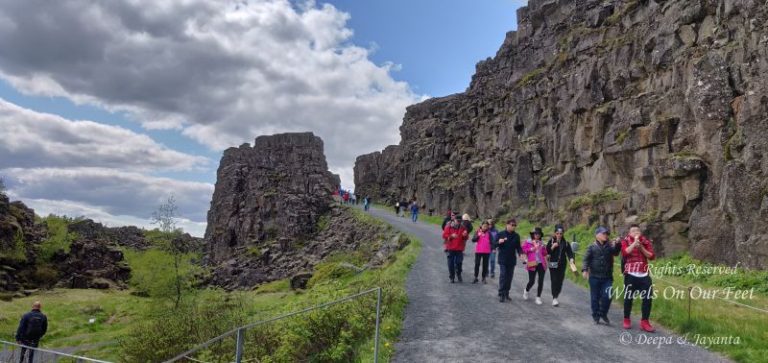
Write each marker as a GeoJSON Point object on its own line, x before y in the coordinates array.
{"type": "Point", "coordinates": [508, 244]}
{"type": "Point", "coordinates": [403, 206]}
{"type": "Point", "coordinates": [32, 327]}
{"type": "Point", "coordinates": [397, 208]}
{"type": "Point", "coordinates": [492, 257]}
{"type": "Point", "coordinates": [536, 253]}
{"type": "Point", "coordinates": [455, 237]}
{"type": "Point", "coordinates": [598, 268]}
{"type": "Point", "coordinates": [367, 203]}
{"type": "Point", "coordinates": [637, 250]}
{"type": "Point", "coordinates": [450, 215]}
{"type": "Point", "coordinates": [414, 211]}
{"type": "Point", "coordinates": [466, 222]}
{"type": "Point", "coordinates": [560, 255]}
{"type": "Point", "coordinates": [483, 240]}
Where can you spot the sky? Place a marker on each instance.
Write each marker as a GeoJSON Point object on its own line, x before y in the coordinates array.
{"type": "Point", "coordinates": [108, 108]}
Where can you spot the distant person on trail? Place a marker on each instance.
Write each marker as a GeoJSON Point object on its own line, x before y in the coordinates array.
{"type": "Point", "coordinates": [455, 237]}
{"type": "Point", "coordinates": [483, 240]}
{"type": "Point", "coordinates": [508, 249]}
{"type": "Point", "coordinates": [560, 255]}
{"type": "Point", "coordinates": [637, 250]}
{"type": "Point", "coordinates": [367, 203]}
{"type": "Point", "coordinates": [346, 197]}
{"type": "Point", "coordinates": [598, 268]}
{"type": "Point", "coordinates": [414, 211]}
{"type": "Point", "coordinates": [492, 257]}
{"type": "Point", "coordinates": [32, 327]}
{"type": "Point", "coordinates": [448, 217]}
{"type": "Point", "coordinates": [397, 208]}
{"type": "Point", "coordinates": [354, 199]}
{"type": "Point", "coordinates": [403, 205]}
{"type": "Point", "coordinates": [466, 222]}
{"type": "Point", "coordinates": [536, 253]}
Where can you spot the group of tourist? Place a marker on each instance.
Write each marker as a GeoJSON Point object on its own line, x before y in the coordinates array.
{"type": "Point", "coordinates": [557, 256]}
{"type": "Point", "coordinates": [412, 206]}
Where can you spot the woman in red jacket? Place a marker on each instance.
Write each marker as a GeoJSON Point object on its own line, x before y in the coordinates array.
{"type": "Point", "coordinates": [455, 237]}
{"type": "Point", "coordinates": [637, 250]}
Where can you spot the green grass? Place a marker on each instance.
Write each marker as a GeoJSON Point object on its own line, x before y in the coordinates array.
{"type": "Point", "coordinates": [709, 317]}
{"type": "Point", "coordinates": [68, 312]}
{"type": "Point", "coordinates": [128, 325]}
{"type": "Point", "coordinates": [594, 199]}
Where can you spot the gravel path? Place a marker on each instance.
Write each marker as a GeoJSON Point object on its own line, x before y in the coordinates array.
{"type": "Point", "coordinates": [464, 322]}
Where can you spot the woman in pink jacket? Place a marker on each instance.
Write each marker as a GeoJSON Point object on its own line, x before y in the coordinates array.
{"type": "Point", "coordinates": [484, 242]}
{"type": "Point", "coordinates": [536, 251]}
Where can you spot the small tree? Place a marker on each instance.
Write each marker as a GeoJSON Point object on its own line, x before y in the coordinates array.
{"type": "Point", "coordinates": [165, 218]}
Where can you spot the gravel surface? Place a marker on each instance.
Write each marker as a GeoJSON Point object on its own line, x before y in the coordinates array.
{"type": "Point", "coordinates": [465, 322]}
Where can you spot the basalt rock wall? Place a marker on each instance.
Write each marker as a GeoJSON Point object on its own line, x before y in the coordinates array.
{"type": "Point", "coordinates": [606, 112]}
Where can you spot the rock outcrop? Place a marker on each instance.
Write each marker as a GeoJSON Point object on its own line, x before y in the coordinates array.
{"type": "Point", "coordinates": [605, 112]}
{"type": "Point", "coordinates": [272, 215]}
{"type": "Point", "coordinates": [92, 264]}
{"type": "Point", "coordinates": [18, 237]}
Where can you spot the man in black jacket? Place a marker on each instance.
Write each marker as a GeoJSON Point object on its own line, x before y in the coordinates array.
{"type": "Point", "coordinates": [32, 327]}
{"type": "Point", "coordinates": [508, 244]}
{"type": "Point", "coordinates": [598, 268]}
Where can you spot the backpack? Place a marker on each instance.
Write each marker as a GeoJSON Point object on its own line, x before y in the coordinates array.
{"type": "Point", "coordinates": [34, 327]}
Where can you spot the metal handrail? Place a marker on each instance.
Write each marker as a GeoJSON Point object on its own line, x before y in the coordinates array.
{"type": "Point", "coordinates": [240, 332]}
{"type": "Point", "coordinates": [55, 353]}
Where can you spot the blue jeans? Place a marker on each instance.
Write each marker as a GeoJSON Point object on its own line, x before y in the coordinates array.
{"type": "Point", "coordinates": [492, 262]}
{"type": "Point", "coordinates": [365, 206]}
{"type": "Point", "coordinates": [455, 258]}
{"type": "Point", "coordinates": [600, 289]}
{"type": "Point", "coordinates": [414, 216]}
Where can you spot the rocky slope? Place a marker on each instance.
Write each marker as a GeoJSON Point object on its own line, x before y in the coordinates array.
{"type": "Point", "coordinates": [605, 112]}
{"type": "Point", "coordinates": [18, 236]}
{"type": "Point", "coordinates": [94, 259]}
{"type": "Point", "coordinates": [272, 217]}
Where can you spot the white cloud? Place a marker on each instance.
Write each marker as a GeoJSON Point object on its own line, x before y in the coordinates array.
{"type": "Point", "coordinates": [223, 72]}
{"type": "Point", "coordinates": [109, 191]}
{"type": "Point", "coordinates": [33, 139]}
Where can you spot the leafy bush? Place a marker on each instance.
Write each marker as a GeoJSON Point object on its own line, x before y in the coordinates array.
{"type": "Point", "coordinates": [59, 237]}
{"type": "Point", "coordinates": [153, 272]}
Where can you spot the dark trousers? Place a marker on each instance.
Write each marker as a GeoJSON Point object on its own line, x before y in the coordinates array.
{"type": "Point", "coordinates": [637, 287]}
{"type": "Point", "coordinates": [600, 294]}
{"type": "Point", "coordinates": [455, 259]}
{"type": "Point", "coordinates": [505, 278]}
{"type": "Point", "coordinates": [30, 352]}
{"type": "Point", "coordinates": [532, 276]}
{"type": "Point", "coordinates": [481, 258]}
{"type": "Point", "coordinates": [556, 276]}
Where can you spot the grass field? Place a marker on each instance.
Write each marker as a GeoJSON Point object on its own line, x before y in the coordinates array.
{"type": "Point", "coordinates": [709, 317]}
{"type": "Point", "coordinates": [118, 314]}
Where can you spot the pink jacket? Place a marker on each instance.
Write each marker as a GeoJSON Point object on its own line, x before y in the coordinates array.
{"type": "Point", "coordinates": [483, 242]}
{"type": "Point", "coordinates": [529, 251]}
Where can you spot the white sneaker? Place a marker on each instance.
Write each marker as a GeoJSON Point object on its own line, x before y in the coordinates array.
{"type": "Point", "coordinates": [525, 295]}
{"type": "Point", "coordinates": [538, 301]}
{"type": "Point", "coordinates": [555, 303]}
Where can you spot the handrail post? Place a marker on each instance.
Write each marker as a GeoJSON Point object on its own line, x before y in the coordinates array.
{"type": "Point", "coordinates": [239, 346]}
{"type": "Point", "coordinates": [378, 323]}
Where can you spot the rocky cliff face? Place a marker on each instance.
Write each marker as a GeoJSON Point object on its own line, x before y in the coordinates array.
{"type": "Point", "coordinates": [605, 112]}
{"type": "Point", "coordinates": [18, 237]}
{"type": "Point", "coordinates": [277, 188]}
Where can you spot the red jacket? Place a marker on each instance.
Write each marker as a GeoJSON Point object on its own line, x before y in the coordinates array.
{"type": "Point", "coordinates": [458, 243]}
{"type": "Point", "coordinates": [636, 261]}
